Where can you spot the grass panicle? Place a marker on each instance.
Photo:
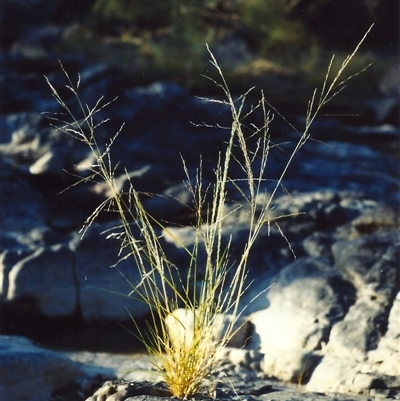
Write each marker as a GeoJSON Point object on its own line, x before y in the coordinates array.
{"type": "Point", "coordinates": [185, 358]}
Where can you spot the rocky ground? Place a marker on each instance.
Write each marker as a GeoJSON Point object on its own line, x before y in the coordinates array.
{"type": "Point", "coordinates": [78, 376]}
{"type": "Point", "coordinates": [330, 319]}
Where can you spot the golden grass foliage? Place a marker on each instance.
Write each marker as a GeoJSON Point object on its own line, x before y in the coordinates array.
{"type": "Point", "coordinates": [185, 358]}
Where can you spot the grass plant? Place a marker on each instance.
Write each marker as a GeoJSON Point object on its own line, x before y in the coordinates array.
{"type": "Point", "coordinates": [185, 358]}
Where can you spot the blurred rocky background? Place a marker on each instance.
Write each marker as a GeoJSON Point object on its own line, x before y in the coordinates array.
{"type": "Point", "coordinates": [330, 319]}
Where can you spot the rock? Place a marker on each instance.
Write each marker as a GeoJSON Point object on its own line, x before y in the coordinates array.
{"type": "Point", "coordinates": [318, 244]}
{"type": "Point", "coordinates": [297, 322]}
{"type": "Point", "coordinates": [23, 208]}
{"type": "Point", "coordinates": [371, 264]}
{"type": "Point", "coordinates": [357, 161]}
{"type": "Point", "coordinates": [243, 357]}
{"type": "Point", "coordinates": [8, 259]}
{"type": "Point", "coordinates": [230, 385]}
{"type": "Point", "coordinates": [38, 150]}
{"type": "Point", "coordinates": [47, 163]}
{"type": "Point", "coordinates": [71, 376]}
{"type": "Point", "coordinates": [175, 200]}
{"type": "Point", "coordinates": [120, 390]}
{"type": "Point", "coordinates": [385, 358]}
{"type": "Point", "coordinates": [46, 279]}
{"type": "Point", "coordinates": [138, 366]}
{"type": "Point", "coordinates": [36, 42]}
{"type": "Point", "coordinates": [328, 313]}
{"type": "Point", "coordinates": [232, 50]}
{"type": "Point", "coordinates": [97, 81]}
{"type": "Point", "coordinates": [350, 290]}
{"type": "Point", "coordinates": [144, 178]}
{"type": "Point", "coordinates": [387, 134]}
{"type": "Point", "coordinates": [25, 88]}
{"type": "Point", "coordinates": [376, 219]}
{"type": "Point", "coordinates": [385, 107]}
{"type": "Point", "coordinates": [42, 371]}
{"type": "Point", "coordinates": [158, 117]}
{"type": "Point", "coordinates": [181, 324]}
{"type": "Point", "coordinates": [103, 284]}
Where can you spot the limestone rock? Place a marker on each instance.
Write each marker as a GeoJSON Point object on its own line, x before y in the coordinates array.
{"type": "Point", "coordinates": [371, 264]}
{"type": "Point", "coordinates": [45, 278]}
{"type": "Point", "coordinates": [103, 285]}
{"type": "Point", "coordinates": [31, 373]}
{"type": "Point", "coordinates": [181, 324]}
{"type": "Point", "coordinates": [23, 209]}
{"type": "Point", "coordinates": [308, 297]}
{"type": "Point", "coordinates": [385, 359]}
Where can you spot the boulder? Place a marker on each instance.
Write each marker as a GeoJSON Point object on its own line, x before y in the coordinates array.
{"type": "Point", "coordinates": [330, 321]}
{"type": "Point", "coordinates": [103, 282]}
{"type": "Point", "coordinates": [46, 279]}
{"type": "Point", "coordinates": [181, 324]}
{"type": "Point", "coordinates": [32, 373]}
{"type": "Point", "coordinates": [308, 297]}
{"type": "Point", "coordinates": [23, 209]}
{"type": "Point", "coordinates": [101, 366]}
{"type": "Point", "coordinates": [370, 263]}
{"type": "Point", "coordinates": [361, 167]}
{"type": "Point", "coordinates": [384, 108]}
{"type": "Point", "coordinates": [384, 359]}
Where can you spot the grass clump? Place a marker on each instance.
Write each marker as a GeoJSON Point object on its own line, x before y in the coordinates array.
{"type": "Point", "coordinates": [183, 357]}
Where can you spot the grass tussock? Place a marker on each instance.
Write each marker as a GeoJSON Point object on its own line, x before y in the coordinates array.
{"type": "Point", "coordinates": [186, 357]}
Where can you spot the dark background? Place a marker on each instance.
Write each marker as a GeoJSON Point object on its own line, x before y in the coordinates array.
{"type": "Point", "coordinates": [255, 41]}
